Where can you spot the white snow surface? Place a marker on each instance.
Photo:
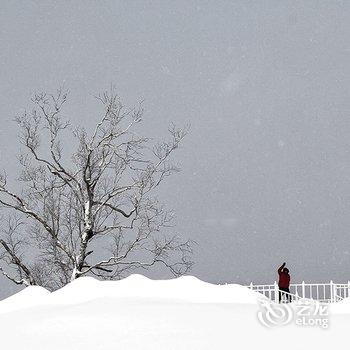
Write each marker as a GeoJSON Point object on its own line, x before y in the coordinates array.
{"type": "Point", "coordinates": [139, 313]}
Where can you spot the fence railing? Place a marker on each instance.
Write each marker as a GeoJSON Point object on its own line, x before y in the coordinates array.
{"type": "Point", "coordinates": [324, 292]}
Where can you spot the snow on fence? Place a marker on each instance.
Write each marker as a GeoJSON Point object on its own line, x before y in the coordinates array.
{"type": "Point", "coordinates": [324, 292]}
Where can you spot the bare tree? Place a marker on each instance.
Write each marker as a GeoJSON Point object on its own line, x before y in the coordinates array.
{"type": "Point", "coordinates": [92, 210]}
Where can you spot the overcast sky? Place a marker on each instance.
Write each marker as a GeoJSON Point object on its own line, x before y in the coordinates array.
{"type": "Point", "coordinates": [265, 86]}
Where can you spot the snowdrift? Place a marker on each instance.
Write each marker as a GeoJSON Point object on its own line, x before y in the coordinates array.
{"type": "Point", "coordinates": [28, 297]}
{"type": "Point", "coordinates": [186, 288]}
{"type": "Point", "coordinates": [139, 313]}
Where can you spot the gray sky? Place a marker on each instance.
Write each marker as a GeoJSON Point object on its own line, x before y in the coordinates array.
{"type": "Point", "coordinates": [265, 86]}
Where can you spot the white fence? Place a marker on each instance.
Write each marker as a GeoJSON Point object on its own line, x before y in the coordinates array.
{"type": "Point", "coordinates": [324, 292]}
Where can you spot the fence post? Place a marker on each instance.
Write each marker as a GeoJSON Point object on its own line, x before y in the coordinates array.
{"type": "Point", "coordinates": [331, 285]}
{"type": "Point", "coordinates": [275, 286]}
{"type": "Point", "coordinates": [251, 285]}
{"type": "Point", "coordinates": [348, 289]}
{"type": "Point", "coordinates": [303, 289]}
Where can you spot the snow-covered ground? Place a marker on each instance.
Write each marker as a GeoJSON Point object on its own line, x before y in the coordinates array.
{"type": "Point", "coordinates": [138, 313]}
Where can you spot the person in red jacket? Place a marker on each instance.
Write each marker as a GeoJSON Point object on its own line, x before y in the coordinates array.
{"type": "Point", "coordinates": [283, 282]}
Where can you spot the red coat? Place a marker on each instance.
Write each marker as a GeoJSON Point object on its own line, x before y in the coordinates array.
{"type": "Point", "coordinates": [284, 279]}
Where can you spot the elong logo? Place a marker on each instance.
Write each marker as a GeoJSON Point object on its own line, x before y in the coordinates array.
{"type": "Point", "coordinates": [306, 313]}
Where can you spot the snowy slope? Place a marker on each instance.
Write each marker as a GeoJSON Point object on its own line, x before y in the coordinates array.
{"type": "Point", "coordinates": [187, 288]}
{"type": "Point", "coordinates": [28, 297]}
{"type": "Point", "coordinates": [138, 313]}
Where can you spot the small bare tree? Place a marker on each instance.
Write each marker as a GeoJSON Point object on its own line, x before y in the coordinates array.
{"type": "Point", "coordinates": [91, 211]}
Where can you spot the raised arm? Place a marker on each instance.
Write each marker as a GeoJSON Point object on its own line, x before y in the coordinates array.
{"type": "Point", "coordinates": [281, 268]}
